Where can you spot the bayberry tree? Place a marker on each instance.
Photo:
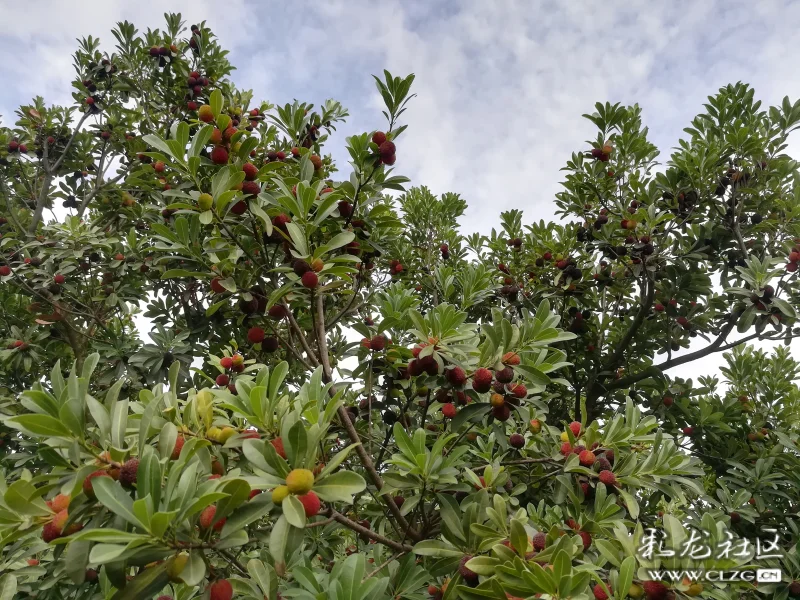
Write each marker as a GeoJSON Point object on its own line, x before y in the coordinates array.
{"type": "Point", "coordinates": [345, 396]}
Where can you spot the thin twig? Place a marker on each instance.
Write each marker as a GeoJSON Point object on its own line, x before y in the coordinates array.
{"type": "Point", "coordinates": [394, 556]}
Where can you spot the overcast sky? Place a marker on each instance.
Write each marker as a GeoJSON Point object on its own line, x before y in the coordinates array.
{"type": "Point", "coordinates": [500, 85]}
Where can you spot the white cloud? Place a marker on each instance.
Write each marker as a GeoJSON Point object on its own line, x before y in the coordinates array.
{"type": "Point", "coordinates": [501, 85]}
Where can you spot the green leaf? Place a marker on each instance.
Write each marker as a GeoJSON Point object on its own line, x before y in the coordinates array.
{"type": "Point", "coordinates": [76, 560]}
{"type": "Point", "coordinates": [200, 140]}
{"type": "Point", "coordinates": [340, 487]}
{"type": "Point", "coordinates": [89, 365]}
{"type": "Point", "coordinates": [278, 540]}
{"type": "Point", "coordinates": [179, 273]}
{"type": "Point", "coordinates": [215, 101]}
{"type": "Point", "coordinates": [39, 425]}
{"type": "Point", "coordinates": [157, 142]}
{"type": "Point", "coordinates": [148, 479]}
{"type": "Point", "coordinates": [195, 569]}
{"type": "Point", "coordinates": [146, 584]}
{"type": "Point", "coordinates": [263, 575]}
{"type": "Point", "coordinates": [119, 423]}
{"type": "Point", "coordinates": [113, 497]}
{"type": "Point", "coordinates": [339, 240]}
{"type": "Point", "coordinates": [8, 587]}
{"type": "Point", "coordinates": [436, 548]}
{"type": "Point", "coordinates": [296, 444]}
{"type": "Point", "coordinates": [337, 460]}
{"type": "Point", "coordinates": [251, 511]}
{"type": "Point", "coordinates": [625, 578]}
{"type": "Point", "coordinates": [472, 411]}
{"type": "Point", "coordinates": [294, 512]}
{"type": "Point", "coordinates": [100, 416]}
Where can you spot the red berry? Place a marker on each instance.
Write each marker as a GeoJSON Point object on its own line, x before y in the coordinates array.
{"type": "Point", "coordinates": [449, 411]}
{"type": "Point", "coordinates": [176, 451]}
{"type": "Point", "coordinates": [516, 440]}
{"type": "Point", "coordinates": [226, 362]}
{"type": "Point", "coordinates": [599, 592]}
{"type": "Point", "coordinates": [241, 206]}
{"type": "Point", "coordinates": [50, 532]}
{"type": "Point", "coordinates": [277, 312]}
{"type": "Point", "coordinates": [387, 149]}
{"type": "Point", "coordinates": [311, 503]}
{"type": "Point", "coordinates": [59, 278]}
{"type": "Point", "coordinates": [219, 155]}
{"type": "Point", "coordinates": [216, 286]}
{"type": "Point", "coordinates": [470, 576]}
{"type": "Point", "coordinates": [207, 518]}
{"type": "Point", "coordinates": [566, 448]}
{"type": "Point", "coordinates": [309, 280]}
{"type": "Point", "coordinates": [277, 443]}
{"type": "Point", "coordinates": [255, 335]}
{"type": "Point", "coordinates": [668, 400]}
{"type": "Point", "coordinates": [586, 537]}
{"type": "Point", "coordinates": [608, 478]}
{"type": "Point", "coordinates": [482, 380]}
{"type": "Point", "coordinates": [221, 590]}
{"type": "Point", "coordinates": [378, 138]}
{"type": "Point", "coordinates": [251, 188]}
{"type": "Point", "coordinates": [222, 380]}
{"type": "Point", "coordinates": [456, 376]}
{"type": "Point", "coordinates": [519, 390]}
{"type": "Point", "coordinates": [575, 427]}
{"type": "Point", "coordinates": [377, 343]}
{"type": "Point", "coordinates": [505, 375]}
{"type": "Point", "coordinates": [587, 458]}
{"type": "Point", "coordinates": [539, 541]}
{"type": "Point", "coordinates": [128, 473]}
{"type": "Point", "coordinates": [655, 590]}
{"type": "Point", "coordinates": [88, 488]}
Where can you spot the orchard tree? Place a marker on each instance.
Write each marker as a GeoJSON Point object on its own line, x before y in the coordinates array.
{"type": "Point", "coordinates": [343, 395]}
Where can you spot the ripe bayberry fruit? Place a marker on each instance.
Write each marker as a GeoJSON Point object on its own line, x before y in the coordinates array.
{"type": "Point", "coordinates": [608, 478]}
{"type": "Point", "coordinates": [311, 503]}
{"type": "Point", "coordinates": [309, 280]}
{"type": "Point", "coordinates": [219, 155]}
{"type": "Point", "coordinates": [129, 471]}
{"type": "Point", "coordinates": [516, 440]}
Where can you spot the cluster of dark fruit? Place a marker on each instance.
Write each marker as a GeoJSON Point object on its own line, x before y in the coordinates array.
{"type": "Point", "coordinates": [569, 268]}
{"type": "Point", "coordinates": [794, 257]}
{"type": "Point", "coordinates": [603, 153]}
{"type": "Point", "coordinates": [71, 202]}
{"type": "Point", "coordinates": [311, 133]}
{"type": "Point", "coordinates": [765, 299]}
{"type": "Point", "coordinates": [510, 288]}
{"type": "Point", "coordinates": [15, 146]}
{"type": "Point", "coordinates": [164, 54]}
{"type": "Point", "coordinates": [193, 40]}
{"type": "Point", "coordinates": [386, 148]}
{"type": "Point", "coordinates": [445, 250]}
{"type": "Point", "coordinates": [195, 82]}
{"type": "Point", "coordinates": [395, 267]}
{"type": "Point", "coordinates": [516, 244]}
{"type": "Point", "coordinates": [579, 324]}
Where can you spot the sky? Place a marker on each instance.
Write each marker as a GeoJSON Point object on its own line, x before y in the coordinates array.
{"type": "Point", "coordinates": [500, 85]}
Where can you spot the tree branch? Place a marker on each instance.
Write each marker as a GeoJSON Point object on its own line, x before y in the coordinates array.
{"type": "Point", "coordinates": [366, 461]}
{"type": "Point", "coordinates": [715, 346]}
{"type": "Point", "coordinates": [340, 518]}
